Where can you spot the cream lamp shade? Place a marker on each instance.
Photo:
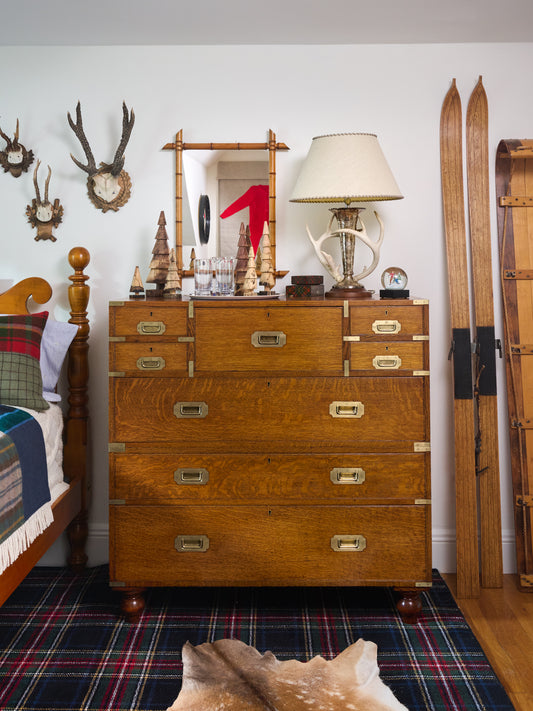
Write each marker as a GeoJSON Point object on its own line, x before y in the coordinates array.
{"type": "Point", "coordinates": [345, 167]}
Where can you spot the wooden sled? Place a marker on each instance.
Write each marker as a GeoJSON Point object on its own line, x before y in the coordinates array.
{"type": "Point", "coordinates": [514, 193]}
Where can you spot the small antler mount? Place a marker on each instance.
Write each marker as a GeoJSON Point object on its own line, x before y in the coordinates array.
{"type": "Point", "coordinates": [15, 159]}
{"type": "Point", "coordinates": [42, 214]}
{"type": "Point", "coordinates": [109, 185]}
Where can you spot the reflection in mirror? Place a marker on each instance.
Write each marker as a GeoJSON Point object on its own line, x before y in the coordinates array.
{"type": "Point", "coordinates": [240, 181]}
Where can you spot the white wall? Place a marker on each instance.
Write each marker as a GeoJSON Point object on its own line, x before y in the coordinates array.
{"type": "Point", "coordinates": [237, 94]}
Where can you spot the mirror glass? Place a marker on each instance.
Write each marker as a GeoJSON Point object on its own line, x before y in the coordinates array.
{"type": "Point", "coordinates": [228, 178]}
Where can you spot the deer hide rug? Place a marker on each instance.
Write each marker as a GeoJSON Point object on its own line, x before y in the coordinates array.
{"type": "Point", "coordinates": [228, 675]}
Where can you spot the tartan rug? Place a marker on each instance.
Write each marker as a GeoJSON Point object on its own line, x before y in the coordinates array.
{"type": "Point", "coordinates": [63, 645]}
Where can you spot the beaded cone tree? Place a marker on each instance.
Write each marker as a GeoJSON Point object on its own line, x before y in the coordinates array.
{"type": "Point", "coordinates": [160, 258]}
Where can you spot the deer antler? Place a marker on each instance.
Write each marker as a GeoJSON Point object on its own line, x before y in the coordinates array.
{"type": "Point", "coordinates": [46, 185]}
{"type": "Point", "coordinates": [11, 144]}
{"type": "Point", "coordinates": [35, 183]}
{"type": "Point", "coordinates": [127, 126]}
{"type": "Point", "coordinates": [77, 127]}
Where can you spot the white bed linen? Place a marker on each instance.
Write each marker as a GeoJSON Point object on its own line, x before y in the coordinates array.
{"type": "Point", "coordinates": [51, 423]}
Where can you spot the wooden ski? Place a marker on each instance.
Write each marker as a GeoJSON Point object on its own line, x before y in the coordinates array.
{"type": "Point", "coordinates": [487, 456]}
{"type": "Point", "coordinates": [451, 155]}
{"type": "Point", "coordinates": [514, 192]}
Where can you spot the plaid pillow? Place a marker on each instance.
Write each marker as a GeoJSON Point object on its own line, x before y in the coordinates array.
{"type": "Point", "coordinates": [21, 383]}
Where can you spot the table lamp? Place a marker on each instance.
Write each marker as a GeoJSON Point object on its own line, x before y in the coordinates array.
{"type": "Point", "coordinates": [346, 168]}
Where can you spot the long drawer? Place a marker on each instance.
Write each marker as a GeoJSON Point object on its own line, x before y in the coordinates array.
{"type": "Point", "coordinates": [238, 478]}
{"type": "Point", "coordinates": [276, 414]}
{"type": "Point", "coordinates": [269, 545]}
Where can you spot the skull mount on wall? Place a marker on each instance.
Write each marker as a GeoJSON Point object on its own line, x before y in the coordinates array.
{"type": "Point", "coordinates": [42, 214]}
{"type": "Point", "coordinates": [109, 186]}
{"type": "Point", "coordinates": [15, 159]}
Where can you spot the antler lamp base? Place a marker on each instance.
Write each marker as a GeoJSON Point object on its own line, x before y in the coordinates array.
{"type": "Point", "coordinates": [348, 287]}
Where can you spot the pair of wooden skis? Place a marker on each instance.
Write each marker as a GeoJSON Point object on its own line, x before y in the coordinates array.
{"type": "Point", "coordinates": [477, 485]}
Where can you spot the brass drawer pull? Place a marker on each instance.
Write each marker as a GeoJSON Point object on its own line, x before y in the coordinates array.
{"type": "Point", "coordinates": [151, 328]}
{"type": "Point", "coordinates": [269, 339]}
{"type": "Point", "coordinates": [347, 475]}
{"type": "Point", "coordinates": [183, 410]}
{"type": "Point", "coordinates": [340, 544]}
{"type": "Point", "coordinates": [191, 544]}
{"type": "Point", "coordinates": [384, 326]}
{"type": "Point", "coordinates": [392, 362]}
{"type": "Point", "coordinates": [151, 363]}
{"type": "Point", "coordinates": [346, 409]}
{"type": "Point", "coordinates": [197, 477]}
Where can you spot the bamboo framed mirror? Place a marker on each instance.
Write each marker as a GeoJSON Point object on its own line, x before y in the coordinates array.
{"type": "Point", "coordinates": [185, 212]}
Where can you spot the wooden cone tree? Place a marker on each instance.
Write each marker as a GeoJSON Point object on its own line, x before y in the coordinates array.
{"type": "Point", "coordinates": [241, 265]}
{"type": "Point", "coordinates": [137, 287]}
{"type": "Point", "coordinates": [160, 259]}
{"type": "Point", "coordinates": [250, 280]}
{"type": "Point", "coordinates": [268, 278]}
{"type": "Point", "coordinates": [173, 281]}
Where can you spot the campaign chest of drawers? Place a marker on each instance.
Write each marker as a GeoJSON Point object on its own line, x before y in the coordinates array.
{"type": "Point", "coordinates": [269, 443]}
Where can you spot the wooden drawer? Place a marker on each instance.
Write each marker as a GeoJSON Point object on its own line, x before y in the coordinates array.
{"type": "Point", "coordinates": [270, 339]}
{"type": "Point", "coordinates": [147, 321]}
{"type": "Point", "coordinates": [271, 415]}
{"type": "Point", "coordinates": [149, 358]}
{"type": "Point", "coordinates": [388, 357]}
{"type": "Point", "coordinates": [269, 545]}
{"type": "Point", "coordinates": [237, 478]}
{"type": "Point", "coordinates": [383, 321]}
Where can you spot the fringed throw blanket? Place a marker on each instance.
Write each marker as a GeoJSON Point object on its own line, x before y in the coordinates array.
{"type": "Point", "coordinates": [25, 509]}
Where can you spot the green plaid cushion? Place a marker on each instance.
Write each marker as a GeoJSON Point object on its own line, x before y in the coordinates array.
{"type": "Point", "coordinates": [21, 382]}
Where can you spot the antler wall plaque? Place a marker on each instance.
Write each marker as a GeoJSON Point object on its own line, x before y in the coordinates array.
{"type": "Point", "coordinates": [109, 186]}
{"type": "Point", "coordinates": [15, 159]}
{"type": "Point", "coordinates": [42, 214]}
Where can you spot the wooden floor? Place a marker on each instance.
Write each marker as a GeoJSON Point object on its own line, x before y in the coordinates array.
{"type": "Point", "coordinates": [502, 620]}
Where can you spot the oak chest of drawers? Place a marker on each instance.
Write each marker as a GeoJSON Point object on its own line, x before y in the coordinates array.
{"type": "Point", "coordinates": [269, 443]}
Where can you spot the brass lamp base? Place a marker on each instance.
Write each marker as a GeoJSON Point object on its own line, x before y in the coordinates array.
{"type": "Point", "coordinates": [354, 292]}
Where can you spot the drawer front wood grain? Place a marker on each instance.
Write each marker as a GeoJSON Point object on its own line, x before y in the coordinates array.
{"type": "Point", "coordinates": [380, 321]}
{"type": "Point", "coordinates": [272, 414]}
{"type": "Point", "coordinates": [269, 545]}
{"type": "Point", "coordinates": [148, 358]}
{"type": "Point", "coordinates": [204, 478]}
{"type": "Point", "coordinates": [147, 321]}
{"type": "Point", "coordinates": [389, 357]}
{"type": "Point", "coordinates": [225, 339]}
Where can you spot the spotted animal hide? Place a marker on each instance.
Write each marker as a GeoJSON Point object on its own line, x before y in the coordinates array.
{"type": "Point", "coordinates": [228, 675]}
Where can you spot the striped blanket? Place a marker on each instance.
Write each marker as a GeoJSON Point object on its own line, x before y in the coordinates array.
{"type": "Point", "coordinates": [25, 509]}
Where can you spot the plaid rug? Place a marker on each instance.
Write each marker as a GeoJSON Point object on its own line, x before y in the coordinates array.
{"type": "Point", "coordinates": [63, 646]}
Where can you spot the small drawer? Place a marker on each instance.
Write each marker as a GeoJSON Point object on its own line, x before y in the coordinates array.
{"type": "Point", "coordinates": [146, 321]}
{"type": "Point", "coordinates": [205, 478]}
{"type": "Point", "coordinates": [152, 358]}
{"type": "Point", "coordinates": [379, 321]}
{"type": "Point", "coordinates": [270, 545]}
{"type": "Point", "coordinates": [388, 357]}
{"type": "Point", "coordinates": [268, 339]}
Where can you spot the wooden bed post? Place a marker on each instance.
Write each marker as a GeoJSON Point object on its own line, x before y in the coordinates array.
{"type": "Point", "coordinates": [75, 449]}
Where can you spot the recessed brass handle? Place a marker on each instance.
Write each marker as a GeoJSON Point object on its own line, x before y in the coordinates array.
{"type": "Point", "coordinates": [151, 363]}
{"type": "Point", "coordinates": [184, 410]}
{"type": "Point", "coordinates": [151, 328]}
{"type": "Point", "coordinates": [191, 544]}
{"type": "Point", "coordinates": [350, 408]}
{"type": "Point", "coordinates": [348, 543]}
{"type": "Point", "coordinates": [392, 362]}
{"type": "Point", "coordinates": [347, 475]}
{"type": "Point", "coordinates": [191, 476]}
{"type": "Point", "coordinates": [269, 339]}
{"type": "Point", "coordinates": [386, 326]}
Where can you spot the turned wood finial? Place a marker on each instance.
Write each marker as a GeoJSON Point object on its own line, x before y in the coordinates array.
{"type": "Point", "coordinates": [78, 258]}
